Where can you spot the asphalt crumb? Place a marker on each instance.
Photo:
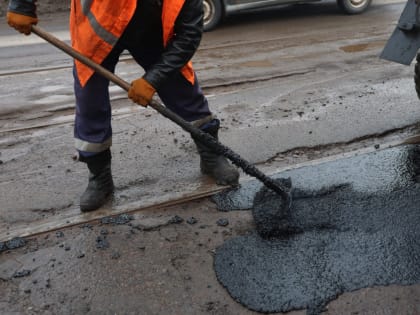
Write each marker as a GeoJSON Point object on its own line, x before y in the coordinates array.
{"type": "Point", "coordinates": [192, 220]}
{"type": "Point", "coordinates": [176, 219]}
{"type": "Point", "coordinates": [222, 222]}
{"type": "Point", "coordinates": [102, 242]}
{"type": "Point", "coordinates": [117, 220]}
{"type": "Point", "coordinates": [14, 243]}
{"type": "Point", "coordinates": [22, 273]}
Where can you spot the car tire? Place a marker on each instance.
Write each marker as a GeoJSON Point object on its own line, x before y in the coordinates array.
{"type": "Point", "coordinates": [353, 6]}
{"type": "Point", "coordinates": [213, 14]}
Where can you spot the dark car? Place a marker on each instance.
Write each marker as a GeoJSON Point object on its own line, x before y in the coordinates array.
{"type": "Point", "coordinates": [216, 10]}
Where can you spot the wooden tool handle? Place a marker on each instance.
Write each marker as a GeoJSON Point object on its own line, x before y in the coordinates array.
{"type": "Point", "coordinates": [201, 136]}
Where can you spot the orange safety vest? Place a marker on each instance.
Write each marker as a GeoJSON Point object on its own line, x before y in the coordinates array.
{"type": "Point", "coordinates": [96, 26]}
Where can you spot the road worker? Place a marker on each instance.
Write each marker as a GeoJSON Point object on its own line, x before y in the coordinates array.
{"type": "Point", "coordinates": [162, 36]}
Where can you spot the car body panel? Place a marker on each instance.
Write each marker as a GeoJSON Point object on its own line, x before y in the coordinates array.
{"type": "Point", "coordinates": [234, 6]}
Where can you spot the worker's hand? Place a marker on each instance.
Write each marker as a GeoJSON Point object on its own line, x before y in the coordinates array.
{"type": "Point", "coordinates": [141, 92]}
{"type": "Point", "coordinates": [20, 22]}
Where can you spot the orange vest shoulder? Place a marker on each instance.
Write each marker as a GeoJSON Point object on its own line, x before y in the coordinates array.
{"type": "Point", "coordinates": [96, 29]}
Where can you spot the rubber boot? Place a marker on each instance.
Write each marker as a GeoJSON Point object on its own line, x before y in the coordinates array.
{"type": "Point", "coordinates": [100, 185]}
{"type": "Point", "coordinates": [213, 164]}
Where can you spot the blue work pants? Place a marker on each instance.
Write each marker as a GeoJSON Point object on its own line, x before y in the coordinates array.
{"type": "Point", "coordinates": [92, 129]}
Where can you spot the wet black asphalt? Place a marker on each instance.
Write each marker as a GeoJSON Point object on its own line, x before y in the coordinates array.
{"type": "Point", "coordinates": [355, 225]}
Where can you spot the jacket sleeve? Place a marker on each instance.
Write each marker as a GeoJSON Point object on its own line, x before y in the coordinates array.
{"type": "Point", "coordinates": [24, 7]}
{"type": "Point", "coordinates": [181, 48]}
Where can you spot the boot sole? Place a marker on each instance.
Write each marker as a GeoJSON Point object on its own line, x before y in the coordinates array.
{"type": "Point", "coordinates": [90, 208]}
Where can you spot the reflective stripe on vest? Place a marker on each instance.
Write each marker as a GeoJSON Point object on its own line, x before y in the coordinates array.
{"type": "Point", "coordinates": [99, 30]}
{"type": "Point", "coordinates": [96, 26]}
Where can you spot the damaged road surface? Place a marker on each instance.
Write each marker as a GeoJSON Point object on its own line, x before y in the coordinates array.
{"type": "Point", "coordinates": [292, 97]}
{"type": "Point", "coordinates": [359, 246]}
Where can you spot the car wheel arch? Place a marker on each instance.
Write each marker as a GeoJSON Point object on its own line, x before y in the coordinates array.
{"type": "Point", "coordinates": [211, 22]}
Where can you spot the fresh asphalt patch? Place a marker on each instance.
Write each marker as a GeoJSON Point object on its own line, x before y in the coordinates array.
{"type": "Point", "coordinates": [356, 225]}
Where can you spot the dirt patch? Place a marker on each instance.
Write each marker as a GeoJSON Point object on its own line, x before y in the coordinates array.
{"type": "Point", "coordinates": [362, 47]}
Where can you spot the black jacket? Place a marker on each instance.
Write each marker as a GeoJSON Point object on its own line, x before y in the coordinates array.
{"type": "Point", "coordinates": [180, 49]}
{"type": "Point", "coordinates": [25, 7]}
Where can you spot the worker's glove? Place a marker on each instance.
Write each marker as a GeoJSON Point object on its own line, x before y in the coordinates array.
{"type": "Point", "coordinates": [141, 92]}
{"type": "Point", "coordinates": [20, 22]}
